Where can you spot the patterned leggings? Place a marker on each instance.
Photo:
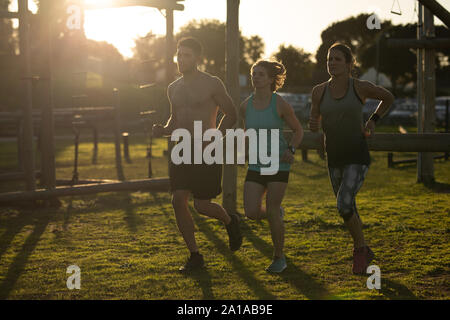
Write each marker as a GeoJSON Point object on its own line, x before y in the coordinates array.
{"type": "Point", "coordinates": [346, 182]}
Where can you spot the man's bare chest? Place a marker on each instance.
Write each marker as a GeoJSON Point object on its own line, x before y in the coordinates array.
{"type": "Point", "coordinates": [187, 100]}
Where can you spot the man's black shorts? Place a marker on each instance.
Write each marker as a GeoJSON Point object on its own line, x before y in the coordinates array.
{"type": "Point", "coordinates": [203, 180]}
{"type": "Point", "coordinates": [255, 176]}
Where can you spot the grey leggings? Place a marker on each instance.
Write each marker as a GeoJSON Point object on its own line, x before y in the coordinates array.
{"type": "Point", "coordinates": [346, 182]}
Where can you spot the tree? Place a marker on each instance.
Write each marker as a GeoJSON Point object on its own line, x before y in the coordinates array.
{"type": "Point", "coordinates": [298, 65]}
{"type": "Point", "coordinates": [150, 49]}
{"type": "Point", "coordinates": [253, 49]}
{"type": "Point", "coordinates": [399, 64]}
{"type": "Point", "coordinates": [352, 32]}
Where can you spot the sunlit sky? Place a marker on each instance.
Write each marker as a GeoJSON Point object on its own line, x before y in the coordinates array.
{"type": "Point", "coordinates": [296, 22]}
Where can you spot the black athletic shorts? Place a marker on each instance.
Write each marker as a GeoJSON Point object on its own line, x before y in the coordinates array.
{"type": "Point", "coordinates": [255, 176]}
{"type": "Point", "coordinates": [204, 181]}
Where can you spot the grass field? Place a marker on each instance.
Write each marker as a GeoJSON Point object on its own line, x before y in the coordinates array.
{"type": "Point", "coordinates": [128, 246]}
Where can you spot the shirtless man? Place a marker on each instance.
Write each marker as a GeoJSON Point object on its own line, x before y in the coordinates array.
{"type": "Point", "coordinates": [197, 96]}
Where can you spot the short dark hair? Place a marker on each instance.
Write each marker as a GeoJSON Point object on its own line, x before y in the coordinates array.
{"type": "Point", "coordinates": [191, 43]}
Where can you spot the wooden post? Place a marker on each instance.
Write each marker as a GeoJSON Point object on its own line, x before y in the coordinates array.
{"type": "Point", "coordinates": [419, 88]}
{"type": "Point", "coordinates": [390, 158]}
{"type": "Point", "coordinates": [232, 81]}
{"type": "Point", "coordinates": [47, 123]}
{"type": "Point", "coordinates": [304, 155]}
{"type": "Point", "coordinates": [427, 164]}
{"type": "Point", "coordinates": [119, 167]}
{"type": "Point", "coordinates": [169, 67]}
{"type": "Point", "coordinates": [28, 152]}
{"type": "Point", "coordinates": [438, 10]}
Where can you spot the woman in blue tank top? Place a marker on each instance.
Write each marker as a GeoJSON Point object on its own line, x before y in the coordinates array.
{"type": "Point", "coordinates": [266, 110]}
{"type": "Point", "coordinates": [337, 104]}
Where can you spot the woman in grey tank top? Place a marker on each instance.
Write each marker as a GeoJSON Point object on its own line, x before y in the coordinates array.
{"type": "Point", "coordinates": [337, 104]}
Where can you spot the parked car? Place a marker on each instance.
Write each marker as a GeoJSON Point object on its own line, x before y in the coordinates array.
{"type": "Point", "coordinates": [403, 112]}
{"type": "Point", "coordinates": [300, 102]}
{"type": "Point", "coordinates": [369, 107]}
{"type": "Point", "coordinates": [441, 112]}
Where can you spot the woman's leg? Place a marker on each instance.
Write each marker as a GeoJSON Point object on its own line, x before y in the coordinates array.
{"type": "Point", "coordinates": [253, 195]}
{"type": "Point", "coordinates": [352, 181]}
{"type": "Point", "coordinates": [275, 194]}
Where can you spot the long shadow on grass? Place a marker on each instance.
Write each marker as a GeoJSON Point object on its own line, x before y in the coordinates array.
{"type": "Point", "coordinates": [202, 277]}
{"type": "Point", "coordinates": [13, 227]}
{"type": "Point", "coordinates": [130, 216]}
{"type": "Point", "coordinates": [303, 282]}
{"type": "Point", "coordinates": [395, 291]}
{"type": "Point", "coordinates": [20, 261]}
{"type": "Point", "coordinates": [238, 266]}
{"type": "Point", "coordinates": [439, 187]}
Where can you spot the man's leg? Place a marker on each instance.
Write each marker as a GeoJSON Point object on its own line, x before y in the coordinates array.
{"type": "Point", "coordinates": [231, 221]}
{"type": "Point", "coordinates": [212, 209]}
{"type": "Point", "coordinates": [184, 219]}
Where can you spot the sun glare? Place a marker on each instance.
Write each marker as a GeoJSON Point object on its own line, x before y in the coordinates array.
{"type": "Point", "coordinates": [120, 26]}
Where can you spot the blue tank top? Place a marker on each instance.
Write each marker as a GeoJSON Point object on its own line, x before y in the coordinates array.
{"type": "Point", "coordinates": [269, 119]}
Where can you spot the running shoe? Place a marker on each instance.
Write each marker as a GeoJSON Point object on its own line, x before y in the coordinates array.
{"type": "Point", "coordinates": [234, 233]}
{"type": "Point", "coordinates": [277, 265]}
{"type": "Point", "coordinates": [361, 259]}
{"type": "Point", "coordinates": [195, 262]}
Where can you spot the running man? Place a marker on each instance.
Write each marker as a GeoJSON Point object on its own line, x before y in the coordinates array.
{"type": "Point", "coordinates": [338, 104]}
{"type": "Point", "coordinates": [265, 109]}
{"type": "Point", "coordinates": [197, 96]}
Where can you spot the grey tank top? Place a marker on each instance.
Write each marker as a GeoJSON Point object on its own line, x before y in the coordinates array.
{"type": "Point", "coordinates": [342, 123]}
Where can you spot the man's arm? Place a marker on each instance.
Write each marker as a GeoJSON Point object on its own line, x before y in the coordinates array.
{"type": "Point", "coordinates": [226, 105]}
{"type": "Point", "coordinates": [166, 130]}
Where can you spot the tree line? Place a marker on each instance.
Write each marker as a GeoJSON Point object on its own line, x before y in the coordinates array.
{"type": "Point", "coordinates": [84, 66]}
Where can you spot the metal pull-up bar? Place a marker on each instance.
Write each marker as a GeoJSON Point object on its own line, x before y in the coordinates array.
{"type": "Point", "coordinates": [160, 4]}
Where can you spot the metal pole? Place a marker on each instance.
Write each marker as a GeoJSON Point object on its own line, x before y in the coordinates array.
{"type": "Point", "coordinates": [126, 150]}
{"type": "Point", "coordinates": [119, 168]}
{"type": "Point", "coordinates": [28, 152]}
{"type": "Point", "coordinates": [95, 150]}
{"type": "Point", "coordinates": [378, 58]}
{"type": "Point", "coordinates": [446, 124]}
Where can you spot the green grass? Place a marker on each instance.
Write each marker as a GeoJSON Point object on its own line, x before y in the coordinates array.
{"type": "Point", "coordinates": [128, 246]}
